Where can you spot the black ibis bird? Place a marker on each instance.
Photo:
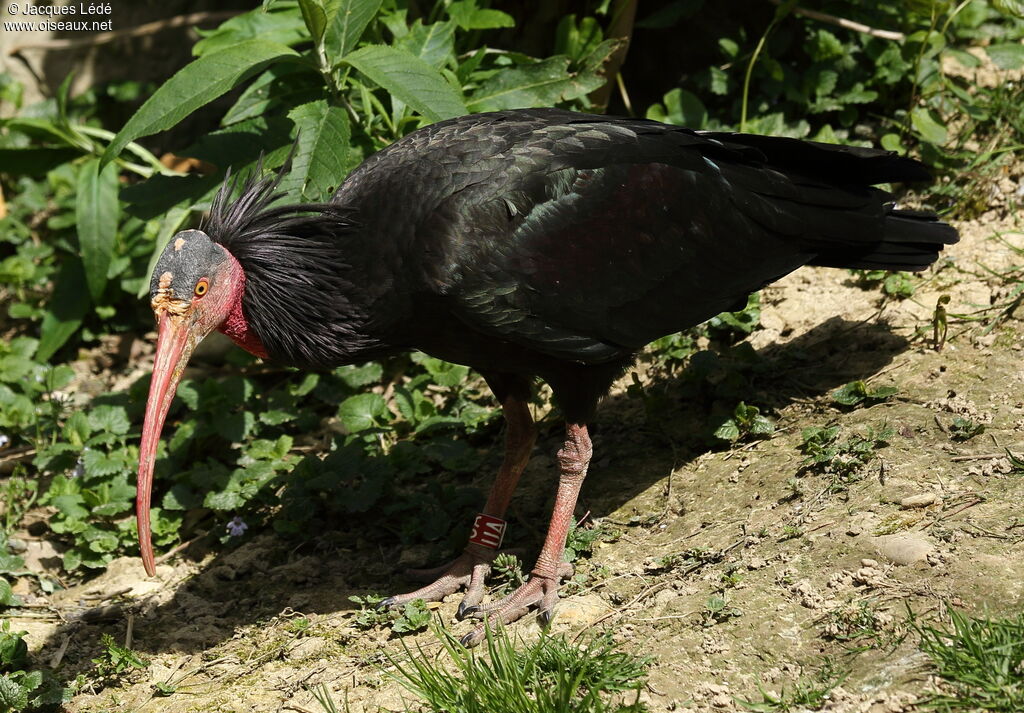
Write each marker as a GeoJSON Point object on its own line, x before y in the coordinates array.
{"type": "Point", "coordinates": [526, 244]}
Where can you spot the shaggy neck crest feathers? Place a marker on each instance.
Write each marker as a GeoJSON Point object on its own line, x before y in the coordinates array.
{"type": "Point", "coordinates": [298, 297]}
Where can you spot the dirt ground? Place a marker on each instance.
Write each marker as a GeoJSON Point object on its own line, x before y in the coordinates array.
{"type": "Point", "coordinates": [809, 573]}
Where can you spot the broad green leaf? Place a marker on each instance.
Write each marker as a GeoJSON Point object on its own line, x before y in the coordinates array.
{"type": "Point", "coordinates": [470, 17]}
{"type": "Point", "coordinates": [347, 26]}
{"type": "Point", "coordinates": [892, 142]}
{"type": "Point", "coordinates": [362, 411]}
{"type": "Point", "coordinates": [67, 308]}
{"type": "Point", "coordinates": [315, 17]}
{"type": "Point", "coordinates": [197, 84]}
{"type": "Point", "coordinates": [1009, 7]}
{"type": "Point", "coordinates": [359, 376]}
{"type": "Point", "coordinates": [96, 211]}
{"type": "Point", "coordinates": [927, 126]}
{"type": "Point", "coordinates": [1007, 55]}
{"type": "Point", "coordinates": [7, 596]}
{"type": "Point", "coordinates": [224, 500]}
{"type": "Point", "coordinates": [283, 26]}
{"type": "Point", "coordinates": [541, 83]}
{"type": "Point", "coordinates": [410, 79]}
{"type": "Point", "coordinates": [77, 429]}
{"type": "Point", "coordinates": [681, 108]}
{"type": "Point", "coordinates": [281, 85]}
{"type": "Point", "coordinates": [319, 163]}
{"type": "Point", "coordinates": [433, 43]}
{"type": "Point", "coordinates": [728, 431]}
{"type": "Point", "coordinates": [109, 418]}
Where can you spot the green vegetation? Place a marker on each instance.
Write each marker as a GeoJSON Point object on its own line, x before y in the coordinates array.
{"type": "Point", "coordinates": [414, 616]}
{"type": "Point", "coordinates": [549, 675]}
{"type": "Point", "coordinates": [249, 447]}
{"type": "Point", "coordinates": [981, 660]}
{"type": "Point", "coordinates": [23, 688]}
{"type": "Point", "coordinates": [857, 392]}
{"type": "Point", "coordinates": [964, 429]}
{"type": "Point", "coordinates": [844, 461]}
{"type": "Point", "coordinates": [116, 661]}
{"type": "Point", "coordinates": [810, 692]}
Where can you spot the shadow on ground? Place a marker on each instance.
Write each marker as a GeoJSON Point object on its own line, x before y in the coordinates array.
{"type": "Point", "coordinates": [638, 441]}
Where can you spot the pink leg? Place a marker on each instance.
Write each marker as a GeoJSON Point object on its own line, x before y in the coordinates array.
{"type": "Point", "coordinates": [542, 588]}
{"type": "Point", "coordinates": [470, 568]}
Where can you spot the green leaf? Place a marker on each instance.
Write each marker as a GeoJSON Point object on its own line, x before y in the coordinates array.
{"type": "Point", "coordinates": [315, 17]}
{"type": "Point", "coordinates": [681, 108]}
{"type": "Point", "coordinates": [347, 26]}
{"type": "Point", "coordinates": [857, 391]}
{"type": "Point", "coordinates": [358, 376]}
{"type": "Point", "coordinates": [1009, 7]}
{"type": "Point", "coordinates": [1007, 55]}
{"type": "Point", "coordinates": [362, 411]}
{"type": "Point", "coordinates": [728, 431]}
{"type": "Point", "coordinates": [13, 696]}
{"type": "Point", "coordinates": [225, 500]}
{"type": "Point", "coordinates": [433, 43]}
{"type": "Point", "coordinates": [470, 17]}
{"type": "Point", "coordinates": [70, 506]}
{"type": "Point", "coordinates": [927, 125]}
{"type": "Point", "coordinates": [67, 308]}
{"type": "Point", "coordinates": [196, 85]}
{"type": "Point", "coordinates": [7, 596]}
{"type": "Point", "coordinates": [96, 212]}
{"type": "Point", "coordinates": [410, 79]}
{"type": "Point", "coordinates": [282, 85]}
{"type": "Point", "coordinates": [319, 164]}
{"type": "Point", "coordinates": [284, 27]}
{"type": "Point", "coordinates": [110, 418]}
{"type": "Point", "coordinates": [542, 83]}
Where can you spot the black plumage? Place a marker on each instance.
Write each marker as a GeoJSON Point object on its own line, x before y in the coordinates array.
{"type": "Point", "coordinates": [533, 243]}
{"type": "Point", "coordinates": [554, 244]}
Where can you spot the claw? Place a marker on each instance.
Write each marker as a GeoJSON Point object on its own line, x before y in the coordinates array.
{"type": "Point", "coordinates": [545, 616]}
{"type": "Point", "coordinates": [466, 610]}
{"type": "Point", "coordinates": [386, 603]}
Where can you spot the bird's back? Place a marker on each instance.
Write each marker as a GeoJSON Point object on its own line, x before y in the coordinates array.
{"type": "Point", "coordinates": [582, 238]}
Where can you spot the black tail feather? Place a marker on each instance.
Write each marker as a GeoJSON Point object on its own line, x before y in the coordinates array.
{"type": "Point", "coordinates": [913, 240]}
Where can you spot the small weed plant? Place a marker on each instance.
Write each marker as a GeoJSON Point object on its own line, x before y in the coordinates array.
{"type": "Point", "coordinates": [844, 461]}
{"type": "Point", "coordinates": [414, 616]}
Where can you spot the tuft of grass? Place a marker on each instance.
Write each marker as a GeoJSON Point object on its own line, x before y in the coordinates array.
{"type": "Point", "coordinates": [981, 659]}
{"type": "Point", "coordinates": [862, 626]}
{"type": "Point", "coordinates": [548, 676]}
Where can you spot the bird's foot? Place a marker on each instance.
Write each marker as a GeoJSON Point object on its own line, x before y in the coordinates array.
{"type": "Point", "coordinates": [467, 571]}
{"type": "Point", "coordinates": [538, 591]}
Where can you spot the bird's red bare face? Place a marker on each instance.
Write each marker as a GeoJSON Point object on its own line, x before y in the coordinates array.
{"type": "Point", "coordinates": [196, 286]}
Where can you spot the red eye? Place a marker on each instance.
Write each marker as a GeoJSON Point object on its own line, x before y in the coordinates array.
{"type": "Point", "coordinates": [202, 287]}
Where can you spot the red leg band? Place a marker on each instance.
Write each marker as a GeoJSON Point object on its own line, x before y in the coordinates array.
{"type": "Point", "coordinates": [488, 531]}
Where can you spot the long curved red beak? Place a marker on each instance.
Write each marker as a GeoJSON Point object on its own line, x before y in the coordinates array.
{"type": "Point", "coordinates": [175, 342]}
